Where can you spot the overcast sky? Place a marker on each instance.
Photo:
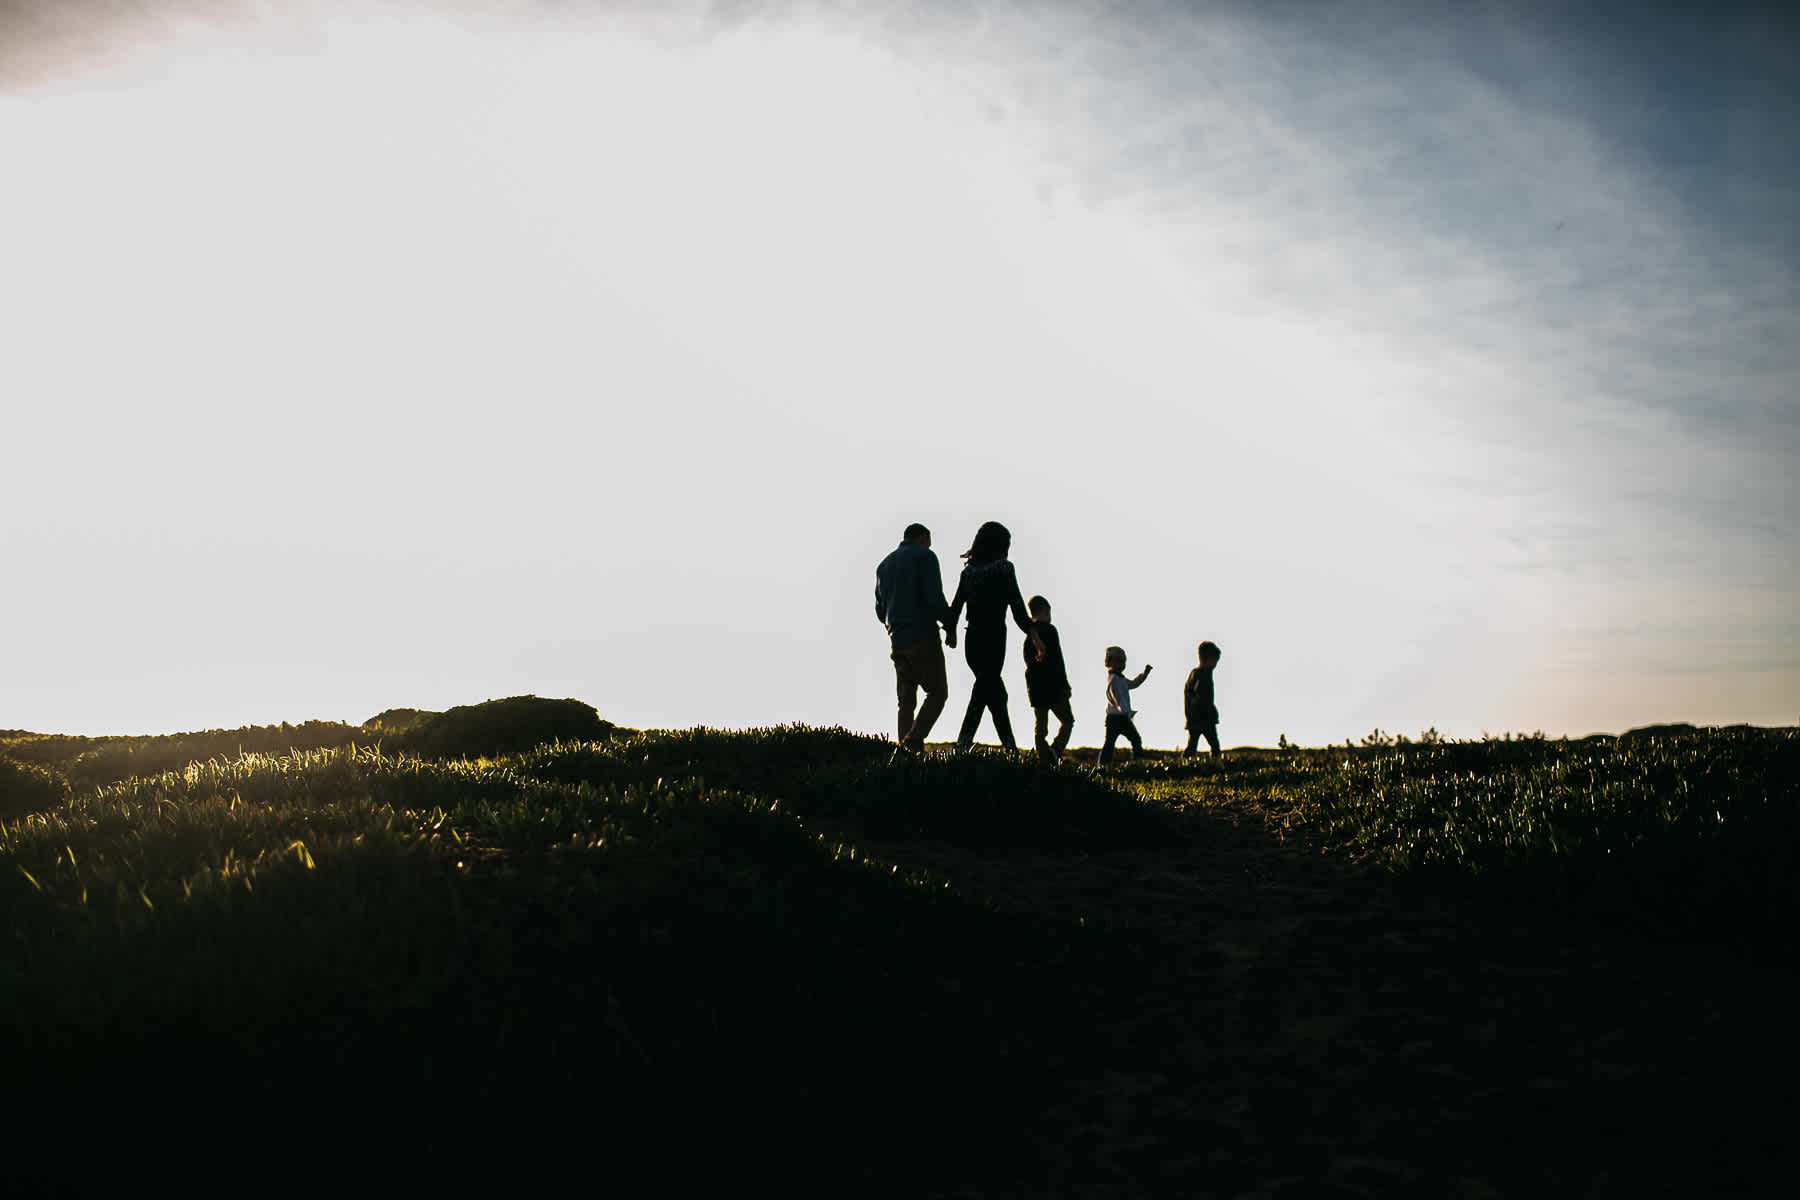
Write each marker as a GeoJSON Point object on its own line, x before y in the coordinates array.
{"type": "Point", "coordinates": [1441, 362]}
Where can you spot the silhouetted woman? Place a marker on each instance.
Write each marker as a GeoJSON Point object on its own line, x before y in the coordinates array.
{"type": "Point", "coordinates": [990, 588]}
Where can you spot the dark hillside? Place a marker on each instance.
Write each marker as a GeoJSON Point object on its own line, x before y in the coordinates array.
{"type": "Point", "coordinates": [712, 962]}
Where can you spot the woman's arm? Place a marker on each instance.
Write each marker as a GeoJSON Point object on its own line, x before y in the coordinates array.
{"type": "Point", "coordinates": [1015, 600]}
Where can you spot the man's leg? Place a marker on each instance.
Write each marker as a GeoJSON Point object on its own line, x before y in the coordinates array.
{"type": "Point", "coordinates": [926, 665]}
{"type": "Point", "coordinates": [906, 685]}
{"type": "Point", "coordinates": [937, 690]}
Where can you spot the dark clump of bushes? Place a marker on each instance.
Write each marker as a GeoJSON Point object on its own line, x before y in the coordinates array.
{"type": "Point", "coordinates": [497, 727]}
{"type": "Point", "coordinates": [28, 788]}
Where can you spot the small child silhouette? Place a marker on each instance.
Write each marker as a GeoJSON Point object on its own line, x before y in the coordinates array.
{"type": "Point", "coordinates": [1118, 705]}
{"type": "Point", "coordinates": [1047, 683]}
{"type": "Point", "coordinates": [1197, 699]}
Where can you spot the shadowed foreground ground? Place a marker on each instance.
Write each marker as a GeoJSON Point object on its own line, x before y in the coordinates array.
{"type": "Point", "coordinates": [777, 963]}
{"type": "Point", "coordinates": [1290, 1026]}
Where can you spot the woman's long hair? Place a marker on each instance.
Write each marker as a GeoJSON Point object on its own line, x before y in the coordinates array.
{"type": "Point", "coordinates": [991, 543]}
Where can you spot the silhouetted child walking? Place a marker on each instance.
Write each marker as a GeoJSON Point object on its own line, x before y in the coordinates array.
{"type": "Point", "coordinates": [1197, 698]}
{"type": "Point", "coordinates": [1118, 705]}
{"type": "Point", "coordinates": [1047, 682]}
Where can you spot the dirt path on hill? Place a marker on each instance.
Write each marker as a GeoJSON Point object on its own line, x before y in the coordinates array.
{"type": "Point", "coordinates": [1275, 1023]}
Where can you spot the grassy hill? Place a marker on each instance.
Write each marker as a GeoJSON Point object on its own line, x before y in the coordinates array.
{"type": "Point", "coordinates": [521, 946]}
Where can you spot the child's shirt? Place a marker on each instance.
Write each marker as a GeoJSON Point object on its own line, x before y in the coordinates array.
{"type": "Point", "coordinates": [1118, 693]}
{"type": "Point", "coordinates": [1197, 695]}
{"type": "Point", "coordinates": [1046, 679]}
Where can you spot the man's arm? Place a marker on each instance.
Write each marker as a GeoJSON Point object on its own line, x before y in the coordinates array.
{"type": "Point", "coordinates": [956, 607]}
{"type": "Point", "coordinates": [950, 617]}
{"type": "Point", "coordinates": [934, 594]}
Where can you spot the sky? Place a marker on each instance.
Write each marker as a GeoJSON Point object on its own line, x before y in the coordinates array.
{"type": "Point", "coordinates": [1440, 362]}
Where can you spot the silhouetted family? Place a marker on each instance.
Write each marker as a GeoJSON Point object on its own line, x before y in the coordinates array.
{"type": "Point", "coordinates": [909, 601]}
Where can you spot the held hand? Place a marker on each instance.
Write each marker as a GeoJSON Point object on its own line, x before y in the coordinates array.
{"type": "Point", "coordinates": [950, 636]}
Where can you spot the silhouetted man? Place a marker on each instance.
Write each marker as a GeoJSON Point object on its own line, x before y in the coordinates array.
{"type": "Point", "coordinates": [909, 600]}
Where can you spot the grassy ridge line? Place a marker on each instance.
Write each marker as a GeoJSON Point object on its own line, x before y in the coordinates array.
{"type": "Point", "coordinates": [492, 728]}
{"type": "Point", "coordinates": [92, 761]}
{"type": "Point", "coordinates": [836, 779]}
{"type": "Point", "coordinates": [1689, 826]}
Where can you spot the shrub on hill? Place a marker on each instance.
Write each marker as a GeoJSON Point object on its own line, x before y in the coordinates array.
{"type": "Point", "coordinates": [497, 727]}
{"type": "Point", "coordinates": [27, 788]}
{"type": "Point", "coordinates": [1653, 734]}
{"type": "Point", "coordinates": [398, 720]}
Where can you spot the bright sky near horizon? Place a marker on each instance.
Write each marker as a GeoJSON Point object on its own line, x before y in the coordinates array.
{"type": "Point", "coordinates": [1440, 361]}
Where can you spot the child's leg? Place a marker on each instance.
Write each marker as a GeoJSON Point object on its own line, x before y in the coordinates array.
{"type": "Point", "coordinates": [1040, 725]}
{"type": "Point", "coordinates": [1112, 735]}
{"type": "Point", "coordinates": [1065, 718]}
{"type": "Point", "coordinates": [1212, 738]}
{"type": "Point", "coordinates": [1193, 742]}
{"type": "Point", "coordinates": [1137, 743]}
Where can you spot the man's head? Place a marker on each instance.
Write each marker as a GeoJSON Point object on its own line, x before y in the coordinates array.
{"type": "Point", "coordinates": [1209, 654]}
{"type": "Point", "coordinates": [1039, 608]}
{"type": "Point", "coordinates": [918, 535]}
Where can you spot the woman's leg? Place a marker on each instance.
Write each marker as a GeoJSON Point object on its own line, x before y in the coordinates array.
{"type": "Point", "coordinates": [996, 702]}
{"type": "Point", "coordinates": [971, 717]}
{"type": "Point", "coordinates": [986, 655]}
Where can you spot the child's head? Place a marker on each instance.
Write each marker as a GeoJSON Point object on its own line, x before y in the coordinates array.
{"type": "Point", "coordinates": [1209, 654]}
{"type": "Point", "coordinates": [1039, 608]}
{"type": "Point", "coordinates": [1115, 658]}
